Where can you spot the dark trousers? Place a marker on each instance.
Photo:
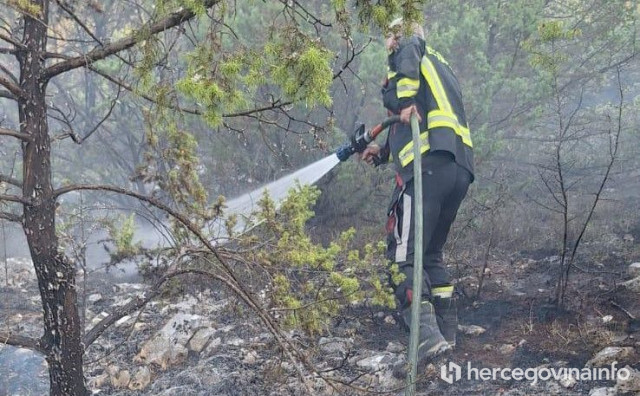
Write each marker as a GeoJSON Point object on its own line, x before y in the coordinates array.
{"type": "Point", "coordinates": [444, 185]}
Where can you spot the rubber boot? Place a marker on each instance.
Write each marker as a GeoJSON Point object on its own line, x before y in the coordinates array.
{"type": "Point", "coordinates": [431, 342]}
{"type": "Point", "coordinates": [447, 316]}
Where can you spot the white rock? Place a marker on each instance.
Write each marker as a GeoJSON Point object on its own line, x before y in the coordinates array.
{"type": "Point", "coordinates": [630, 384]}
{"type": "Point", "coordinates": [112, 369]}
{"type": "Point", "coordinates": [377, 362]}
{"type": "Point", "coordinates": [122, 320]}
{"type": "Point", "coordinates": [98, 381]}
{"type": "Point", "coordinates": [471, 330]}
{"type": "Point", "coordinates": [602, 392]}
{"type": "Point", "coordinates": [250, 358]}
{"type": "Point", "coordinates": [633, 284]}
{"type": "Point", "coordinates": [141, 379]}
{"type": "Point", "coordinates": [607, 318]}
{"type": "Point", "coordinates": [236, 341]}
{"type": "Point", "coordinates": [567, 381]}
{"type": "Point", "coordinates": [200, 339]}
{"type": "Point", "coordinates": [395, 347]}
{"type": "Point", "coordinates": [121, 379]}
{"type": "Point", "coordinates": [335, 345]}
{"type": "Point", "coordinates": [609, 355]}
{"type": "Point", "coordinates": [168, 346]}
{"type": "Point", "coordinates": [634, 270]}
{"type": "Point", "coordinates": [389, 319]}
{"type": "Point", "coordinates": [94, 298]}
{"type": "Point", "coordinates": [507, 349]}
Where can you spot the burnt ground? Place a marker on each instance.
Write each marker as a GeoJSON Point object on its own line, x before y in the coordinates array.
{"type": "Point", "coordinates": [522, 329]}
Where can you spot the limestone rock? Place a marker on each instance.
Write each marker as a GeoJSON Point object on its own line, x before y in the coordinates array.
{"type": "Point", "coordinates": [630, 384]}
{"type": "Point", "coordinates": [471, 330]}
{"type": "Point", "coordinates": [168, 346]}
{"type": "Point", "coordinates": [141, 379]}
{"type": "Point", "coordinates": [602, 392]}
{"type": "Point", "coordinates": [335, 345]}
{"type": "Point", "coordinates": [634, 270]}
{"type": "Point", "coordinates": [633, 284]}
{"type": "Point", "coordinates": [609, 355]}
{"type": "Point", "coordinates": [120, 379]}
{"type": "Point", "coordinates": [200, 339]}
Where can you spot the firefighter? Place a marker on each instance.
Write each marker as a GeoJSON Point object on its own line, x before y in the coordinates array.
{"type": "Point", "coordinates": [420, 82]}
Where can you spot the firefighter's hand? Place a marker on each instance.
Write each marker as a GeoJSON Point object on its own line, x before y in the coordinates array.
{"type": "Point", "coordinates": [372, 151]}
{"type": "Point", "coordinates": [405, 114]}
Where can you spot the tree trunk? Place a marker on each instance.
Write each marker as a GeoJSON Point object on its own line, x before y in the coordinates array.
{"type": "Point", "coordinates": [56, 276]}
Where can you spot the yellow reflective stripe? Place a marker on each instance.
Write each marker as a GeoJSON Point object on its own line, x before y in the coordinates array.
{"type": "Point", "coordinates": [439, 118]}
{"type": "Point", "coordinates": [407, 87]}
{"type": "Point", "coordinates": [442, 291]}
{"type": "Point", "coordinates": [409, 82]}
{"type": "Point", "coordinates": [431, 75]}
{"type": "Point", "coordinates": [406, 154]}
{"type": "Point", "coordinates": [391, 74]}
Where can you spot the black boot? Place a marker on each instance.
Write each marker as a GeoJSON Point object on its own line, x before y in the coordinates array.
{"type": "Point", "coordinates": [447, 315]}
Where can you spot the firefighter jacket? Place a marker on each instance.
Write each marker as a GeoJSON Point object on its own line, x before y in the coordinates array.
{"type": "Point", "coordinates": [419, 75]}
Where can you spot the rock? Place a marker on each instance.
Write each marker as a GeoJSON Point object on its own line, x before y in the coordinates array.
{"type": "Point", "coordinates": [213, 345]}
{"type": "Point", "coordinates": [121, 379]}
{"type": "Point", "coordinates": [122, 320]}
{"type": "Point", "coordinates": [112, 369]}
{"type": "Point", "coordinates": [98, 318]}
{"type": "Point", "coordinates": [634, 270]}
{"type": "Point", "coordinates": [567, 381]}
{"type": "Point", "coordinates": [389, 319]}
{"type": "Point", "coordinates": [506, 349]}
{"type": "Point", "coordinates": [630, 383]}
{"type": "Point", "coordinates": [250, 358]}
{"type": "Point", "coordinates": [200, 339]}
{"type": "Point", "coordinates": [235, 341]}
{"type": "Point", "coordinates": [609, 355]}
{"type": "Point", "coordinates": [607, 319]}
{"type": "Point", "coordinates": [628, 238]}
{"type": "Point", "coordinates": [140, 326]}
{"type": "Point", "coordinates": [395, 347]}
{"type": "Point", "coordinates": [94, 298]}
{"type": "Point", "coordinates": [335, 345]}
{"type": "Point", "coordinates": [378, 362]}
{"type": "Point", "coordinates": [633, 284]}
{"type": "Point", "coordinates": [602, 392]}
{"type": "Point", "coordinates": [141, 379]}
{"type": "Point", "coordinates": [471, 330]}
{"type": "Point", "coordinates": [98, 381]}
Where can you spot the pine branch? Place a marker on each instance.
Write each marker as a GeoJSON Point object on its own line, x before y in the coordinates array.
{"type": "Point", "coordinates": [97, 54]}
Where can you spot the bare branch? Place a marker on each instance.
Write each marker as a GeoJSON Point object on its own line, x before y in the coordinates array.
{"type": "Point", "coordinates": [10, 217]}
{"type": "Point", "coordinates": [97, 54]}
{"type": "Point", "coordinates": [9, 74]}
{"type": "Point", "coordinates": [7, 95]}
{"type": "Point", "coordinates": [35, 344]}
{"type": "Point", "coordinates": [12, 40]}
{"type": "Point", "coordinates": [16, 134]}
{"type": "Point", "coordinates": [12, 87]}
{"type": "Point", "coordinates": [10, 180]}
{"type": "Point", "coordinates": [13, 198]}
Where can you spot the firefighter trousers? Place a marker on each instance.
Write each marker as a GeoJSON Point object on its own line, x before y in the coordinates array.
{"type": "Point", "coordinates": [444, 186]}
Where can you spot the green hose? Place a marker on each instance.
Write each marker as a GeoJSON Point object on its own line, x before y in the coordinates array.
{"type": "Point", "coordinates": [414, 337]}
